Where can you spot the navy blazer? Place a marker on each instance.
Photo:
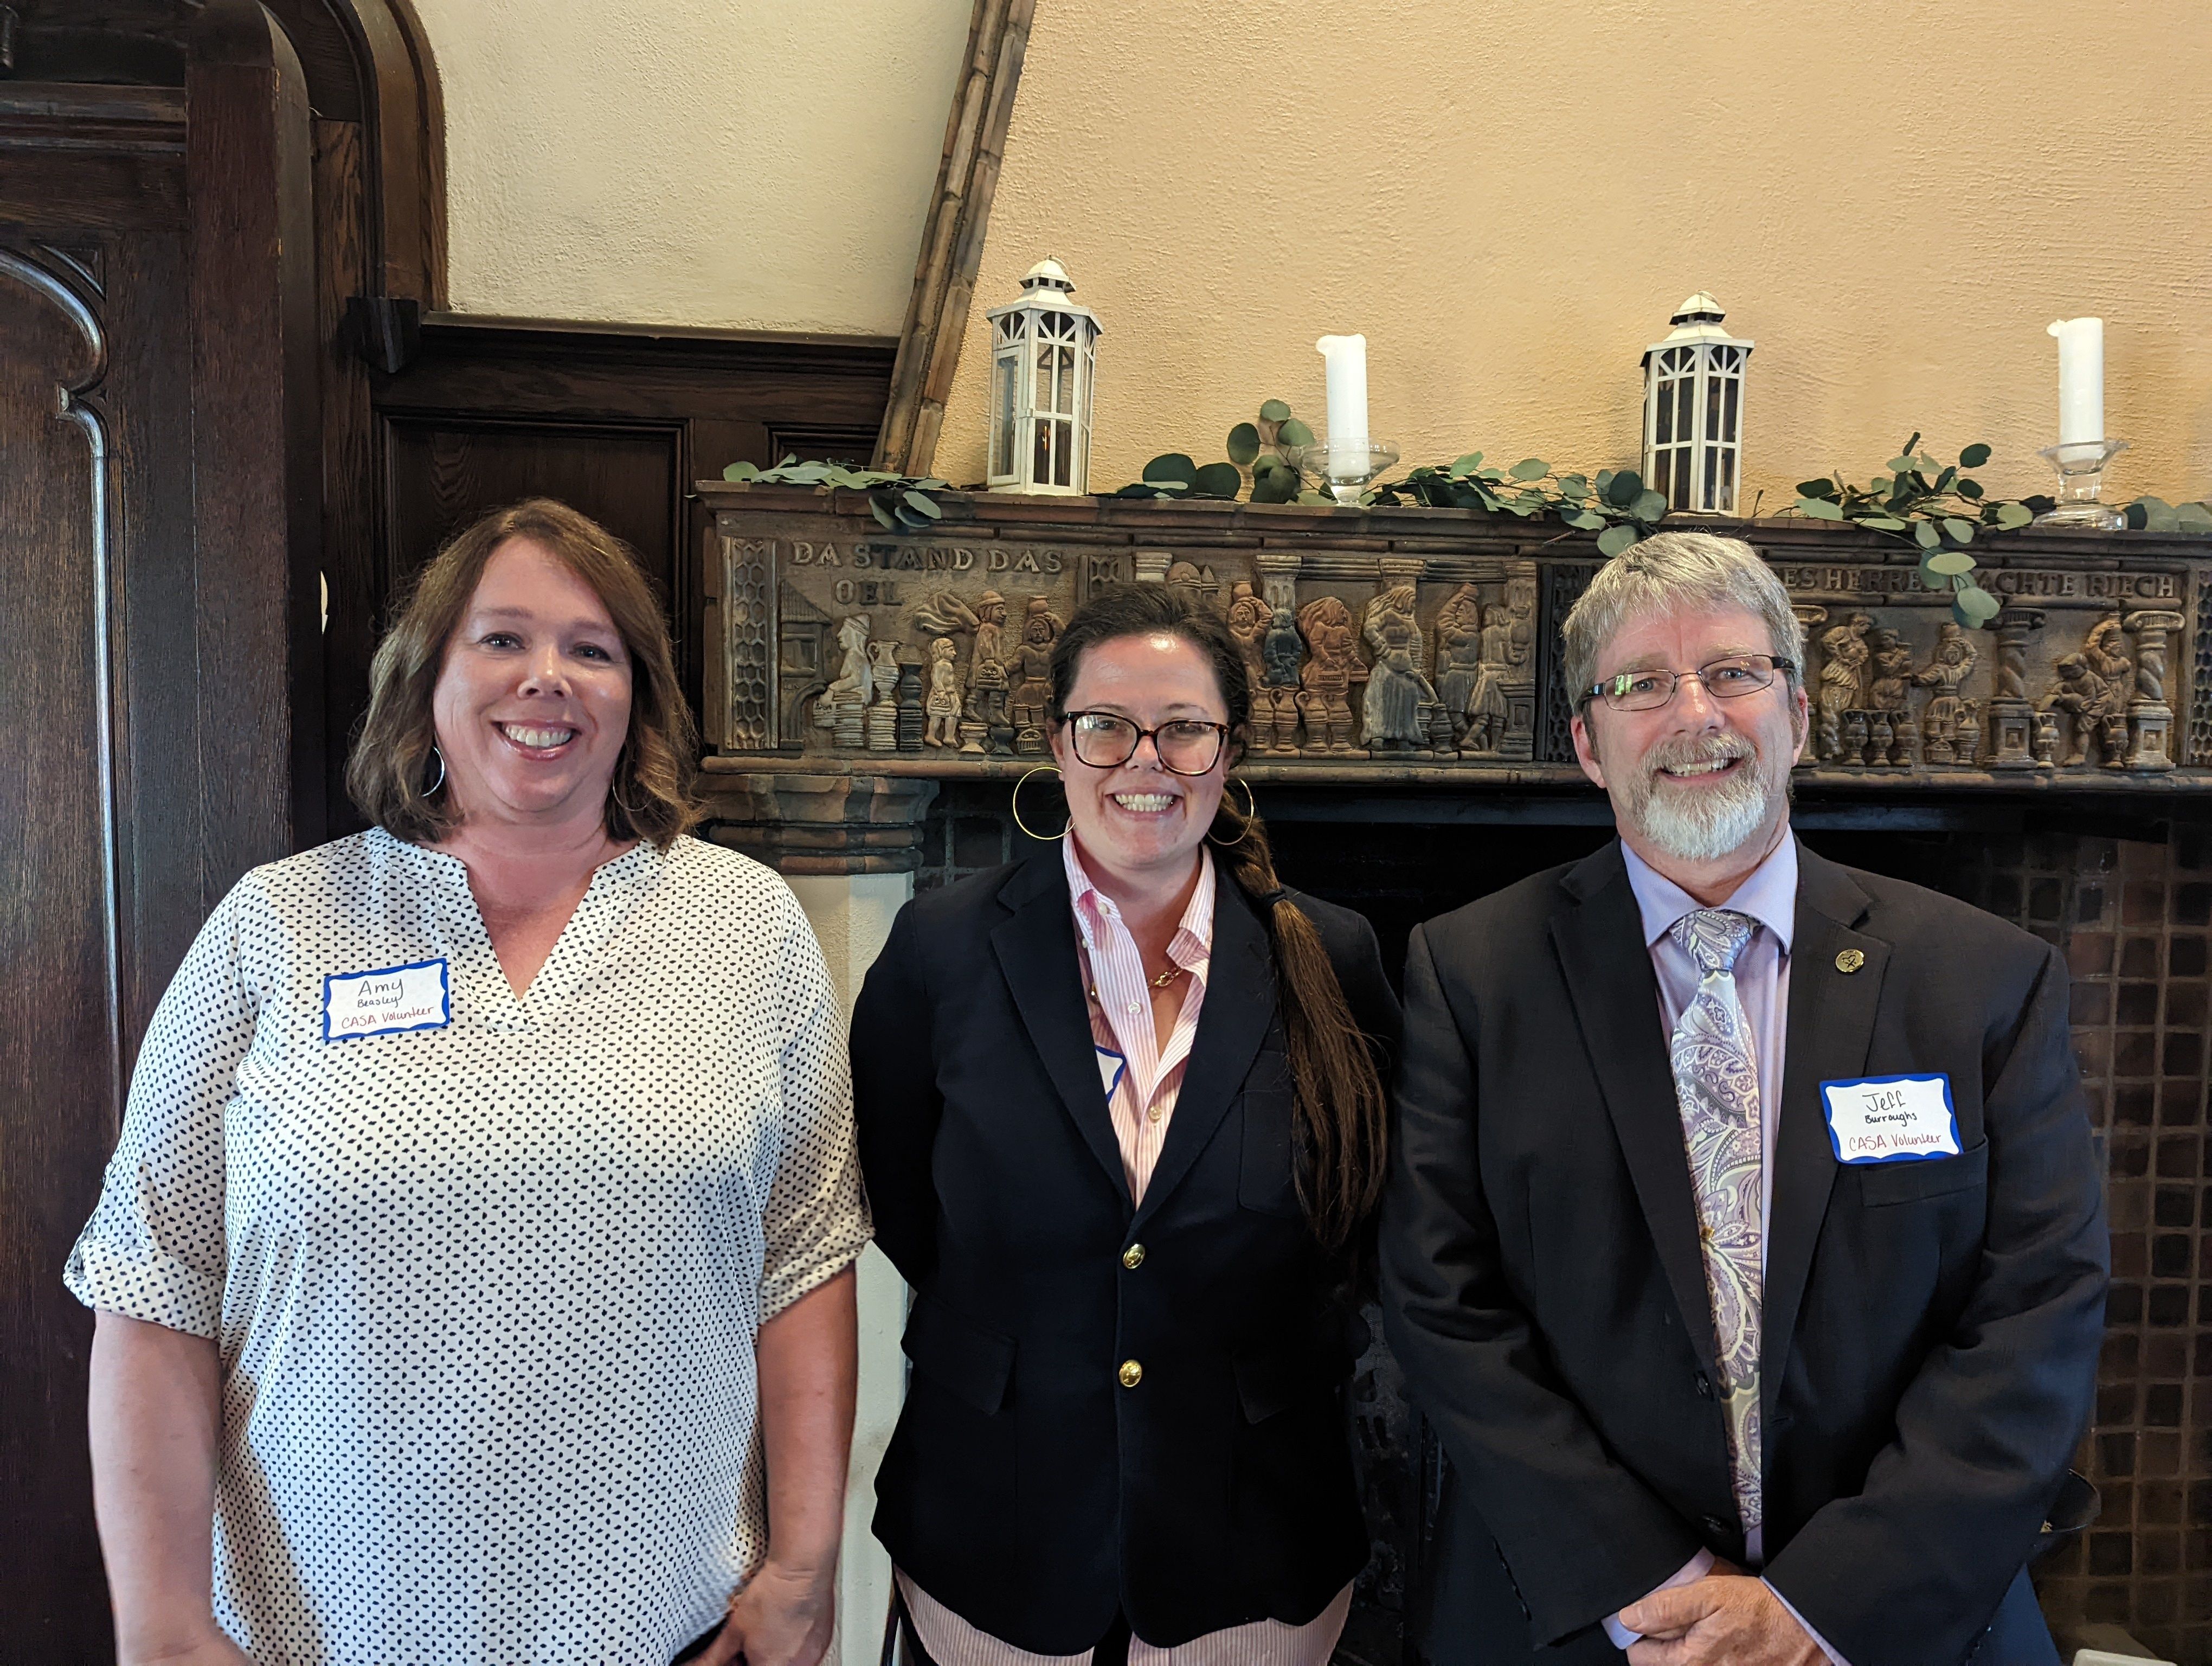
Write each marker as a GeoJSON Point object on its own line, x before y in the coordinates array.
{"type": "Point", "coordinates": [1930, 1327]}
{"type": "Point", "coordinates": [1024, 1486]}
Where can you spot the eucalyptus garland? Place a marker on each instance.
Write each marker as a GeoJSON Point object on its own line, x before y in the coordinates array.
{"type": "Point", "coordinates": [901, 502]}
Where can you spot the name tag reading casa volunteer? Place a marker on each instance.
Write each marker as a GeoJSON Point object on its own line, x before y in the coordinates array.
{"type": "Point", "coordinates": [1889, 1119]}
{"type": "Point", "coordinates": [387, 1001]}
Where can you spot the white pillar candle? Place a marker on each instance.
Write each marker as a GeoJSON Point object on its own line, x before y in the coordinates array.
{"type": "Point", "coordinates": [2080, 381]}
{"type": "Point", "coordinates": [1347, 360]}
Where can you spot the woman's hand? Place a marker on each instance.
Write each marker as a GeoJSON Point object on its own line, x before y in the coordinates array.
{"type": "Point", "coordinates": [782, 1617]}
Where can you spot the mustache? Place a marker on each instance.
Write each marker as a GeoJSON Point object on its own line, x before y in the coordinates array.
{"type": "Point", "coordinates": [1703, 749]}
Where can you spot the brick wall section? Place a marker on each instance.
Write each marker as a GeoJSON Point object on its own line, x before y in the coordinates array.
{"type": "Point", "coordinates": [2134, 919]}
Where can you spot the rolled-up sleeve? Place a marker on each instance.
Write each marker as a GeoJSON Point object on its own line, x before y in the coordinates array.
{"type": "Point", "coordinates": [153, 1249]}
{"type": "Point", "coordinates": [815, 1222]}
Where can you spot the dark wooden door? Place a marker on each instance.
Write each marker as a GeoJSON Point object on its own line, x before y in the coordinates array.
{"type": "Point", "coordinates": [153, 568]}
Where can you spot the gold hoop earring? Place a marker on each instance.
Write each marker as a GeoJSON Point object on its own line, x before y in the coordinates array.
{"type": "Point", "coordinates": [1250, 812]}
{"type": "Point", "coordinates": [1016, 806]}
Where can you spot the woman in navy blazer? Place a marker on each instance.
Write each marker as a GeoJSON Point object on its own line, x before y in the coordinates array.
{"type": "Point", "coordinates": [1134, 1280]}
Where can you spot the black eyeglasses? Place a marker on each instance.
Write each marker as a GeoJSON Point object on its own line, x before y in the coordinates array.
{"type": "Point", "coordinates": [1726, 678]}
{"type": "Point", "coordinates": [1184, 747]}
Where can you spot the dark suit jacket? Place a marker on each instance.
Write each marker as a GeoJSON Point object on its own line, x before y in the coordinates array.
{"type": "Point", "coordinates": [1024, 1487]}
{"type": "Point", "coordinates": [1930, 1327]}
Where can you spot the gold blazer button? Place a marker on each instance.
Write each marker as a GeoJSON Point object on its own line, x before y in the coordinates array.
{"type": "Point", "coordinates": [1131, 1373]}
{"type": "Point", "coordinates": [1133, 1256]}
{"type": "Point", "coordinates": [1848, 960]}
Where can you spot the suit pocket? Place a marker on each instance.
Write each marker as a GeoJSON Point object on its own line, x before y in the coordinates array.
{"type": "Point", "coordinates": [1266, 1178]}
{"type": "Point", "coordinates": [973, 1364]}
{"type": "Point", "coordinates": [1883, 1183]}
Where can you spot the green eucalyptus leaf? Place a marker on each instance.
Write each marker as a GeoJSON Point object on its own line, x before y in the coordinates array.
{"type": "Point", "coordinates": [922, 504]}
{"type": "Point", "coordinates": [1974, 457]}
{"type": "Point", "coordinates": [2194, 518]}
{"type": "Point", "coordinates": [883, 516]}
{"type": "Point", "coordinates": [1277, 486]}
{"type": "Point", "coordinates": [1317, 499]}
{"type": "Point", "coordinates": [1604, 479]}
{"type": "Point", "coordinates": [1275, 410]}
{"type": "Point", "coordinates": [1574, 486]}
{"type": "Point", "coordinates": [1819, 508]}
{"type": "Point", "coordinates": [1171, 465]}
{"type": "Point", "coordinates": [1979, 605]}
{"type": "Point", "coordinates": [1961, 532]}
{"type": "Point", "coordinates": [1468, 464]}
{"type": "Point", "coordinates": [1650, 506]}
{"type": "Point", "coordinates": [2014, 514]}
{"type": "Point", "coordinates": [1925, 531]}
{"type": "Point", "coordinates": [1530, 468]}
{"type": "Point", "coordinates": [1882, 523]}
{"type": "Point", "coordinates": [1943, 480]}
{"type": "Point", "coordinates": [1900, 464]}
{"type": "Point", "coordinates": [1243, 444]}
{"type": "Point", "coordinates": [932, 484]}
{"type": "Point", "coordinates": [1218, 480]}
{"type": "Point", "coordinates": [1932, 580]}
{"type": "Point", "coordinates": [1624, 488]}
{"type": "Point", "coordinates": [1585, 520]}
{"type": "Point", "coordinates": [1971, 489]}
{"type": "Point", "coordinates": [1828, 489]}
{"type": "Point", "coordinates": [2161, 518]}
{"type": "Point", "coordinates": [1490, 474]}
{"type": "Point", "coordinates": [1294, 433]}
{"type": "Point", "coordinates": [1616, 538]}
{"type": "Point", "coordinates": [1951, 563]}
{"type": "Point", "coordinates": [742, 471]}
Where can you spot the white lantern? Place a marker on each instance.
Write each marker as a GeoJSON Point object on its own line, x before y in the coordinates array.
{"type": "Point", "coordinates": [1693, 410]}
{"type": "Point", "coordinates": [1043, 353]}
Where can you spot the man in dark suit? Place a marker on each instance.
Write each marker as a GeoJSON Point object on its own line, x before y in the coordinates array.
{"type": "Point", "coordinates": [1744, 1239]}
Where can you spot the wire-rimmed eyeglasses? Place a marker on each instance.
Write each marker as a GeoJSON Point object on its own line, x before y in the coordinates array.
{"type": "Point", "coordinates": [1106, 741]}
{"type": "Point", "coordinates": [1728, 677]}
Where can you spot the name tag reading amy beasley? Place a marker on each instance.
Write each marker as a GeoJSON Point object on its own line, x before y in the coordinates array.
{"type": "Point", "coordinates": [387, 1001]}
{"type": "Point", "coordinates": [1890, 1119]}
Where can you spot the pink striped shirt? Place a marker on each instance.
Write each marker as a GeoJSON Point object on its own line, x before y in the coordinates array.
{"type": "Point", "coordinates": [1143, 1076]}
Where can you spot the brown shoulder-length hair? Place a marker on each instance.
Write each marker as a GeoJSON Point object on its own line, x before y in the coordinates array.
{"type": "Point", "coordinates": [390, 774]}
{"type": "Point", "coordinates": [1341, 1120]}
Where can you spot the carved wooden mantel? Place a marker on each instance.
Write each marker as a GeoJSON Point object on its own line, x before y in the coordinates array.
{"type": "Point", "coordinates": [1397, 650]}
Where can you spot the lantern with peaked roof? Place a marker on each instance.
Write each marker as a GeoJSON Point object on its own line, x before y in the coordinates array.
{"type": "Point", "coordinates": [1043, 353]}
{"type": "Point", "coordinates": [1693, 411]}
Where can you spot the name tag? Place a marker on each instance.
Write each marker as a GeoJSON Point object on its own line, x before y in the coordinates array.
{"type": "Point", "coordinates": [387, 1001]}
{"type": "Point", "coordinates": [1112, 1067]}
{"type": "Point", "coordinates": [1890, 1119]}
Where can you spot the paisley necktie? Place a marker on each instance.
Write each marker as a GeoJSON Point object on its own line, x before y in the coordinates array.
{"type": "Point", "coordinates": [1716, 1084]}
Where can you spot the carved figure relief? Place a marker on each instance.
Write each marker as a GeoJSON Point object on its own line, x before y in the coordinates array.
{"type": "Point", "coordinates": [1397, 686]}
{"type": "Point", "coordinates": [1459, 657]}
{"type": "Point", "coordinates": [942, 707]}
{"type": "Point", "coordinates": [882, 709]}
{"type": "Point", "coordinates": [1275, 700]}
{"type": "Point", "coordinates": [1332, 668]}
{"type": "Point", "coordinates": [2099, 722]}
{"type": "Point", "coordinates": [1842, 687]}
{"type": "Point", "coordinates": [842, 708]}
{"type": "Point", "coordinates": [1889, 676]}
{"type": "Point", "coordinates": [2105, 648]}
{"type": "Point", "coordinates": [1946, 673]}
{"type": "Point", "coordinates": [1029, 675]}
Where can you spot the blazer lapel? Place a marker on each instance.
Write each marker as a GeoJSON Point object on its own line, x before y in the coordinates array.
{"type": "Point", "coordinates": [1240, 1006]}
{"type": "Point", "coordinates": [1599, 935]}
{"type": "Point", "coordinates": [1830, 1028]}
{"type": "Point", "coordinates": [1036, 952]}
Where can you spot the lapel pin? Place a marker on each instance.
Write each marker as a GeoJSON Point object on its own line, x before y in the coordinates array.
{"type": "Point", "coordinates": [1848, 960]}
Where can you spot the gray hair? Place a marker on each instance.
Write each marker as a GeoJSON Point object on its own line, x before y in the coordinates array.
{"type": "Point", "coordinates": [1670, 570]}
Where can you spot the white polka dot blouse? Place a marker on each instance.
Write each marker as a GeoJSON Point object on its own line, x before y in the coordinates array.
{"type": "Point", "coordinates": [485, 1272]}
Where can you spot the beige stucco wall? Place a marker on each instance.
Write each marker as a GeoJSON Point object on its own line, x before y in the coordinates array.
{"type": "Point", "coordinates": [727, 162]}
{"type": "Point", "coordinates": [1509, 197]}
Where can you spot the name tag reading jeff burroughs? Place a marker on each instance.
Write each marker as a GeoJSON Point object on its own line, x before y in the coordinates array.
{"type": "Point", "coordinates": [1885, 1119]}
{"type": "Point", "coordinates": [387, 1001]}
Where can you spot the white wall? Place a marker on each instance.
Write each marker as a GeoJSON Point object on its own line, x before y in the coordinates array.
{"type": "Point", "coordinates": [723, 162]}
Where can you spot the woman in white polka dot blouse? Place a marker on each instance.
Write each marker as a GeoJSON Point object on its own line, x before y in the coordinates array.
{"type": "Point", "coordinates": [475, 1268]}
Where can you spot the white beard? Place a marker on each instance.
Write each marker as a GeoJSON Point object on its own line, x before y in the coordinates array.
{"type": "Point", "coordinates": [1703, 824]}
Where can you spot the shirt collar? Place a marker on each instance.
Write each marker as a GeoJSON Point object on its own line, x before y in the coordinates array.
{"type": "Point", "coordinates": [1193, 944]}
{"type": "Point", "coordinates": [1768, 893]}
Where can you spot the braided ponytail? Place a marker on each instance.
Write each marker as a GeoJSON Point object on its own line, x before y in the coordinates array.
{"type": "Point", "coordinates": [1342, 1119]}
{"type": "Point", "coordinates": [1340, 1116]}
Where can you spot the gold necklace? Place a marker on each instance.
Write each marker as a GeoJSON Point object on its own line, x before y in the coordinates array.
{"type": "Point", "coordinates": [1167, 977]}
